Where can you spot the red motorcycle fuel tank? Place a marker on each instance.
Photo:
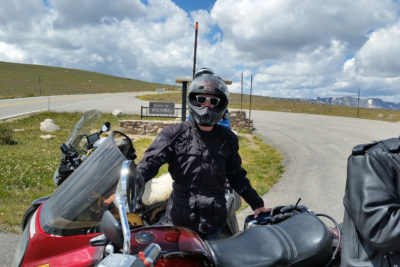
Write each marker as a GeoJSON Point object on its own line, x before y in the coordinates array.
{"type": "Point", "coordinates": [52, 250]}
{"type": "Point", "coordinates": [179, 246]}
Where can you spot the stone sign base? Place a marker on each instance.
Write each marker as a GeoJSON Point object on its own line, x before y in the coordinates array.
{"type": "Point", "coordinates": [153, 127]}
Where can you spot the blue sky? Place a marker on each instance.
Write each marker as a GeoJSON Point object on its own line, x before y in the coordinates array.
{"type": "Point", "coordinates": [192, 5]}
{"type": "Point", "coordinates": [293, 48]}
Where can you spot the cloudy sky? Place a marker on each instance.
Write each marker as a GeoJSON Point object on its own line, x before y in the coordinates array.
{"type": "Point", "coordinates": [293, 48]}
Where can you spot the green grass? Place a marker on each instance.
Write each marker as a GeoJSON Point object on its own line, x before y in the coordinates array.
{"type": "Point", "coordinates": [262, 163]}
{"type": "Point", "coordinates": [296, 106]}
{"type": "Point", "coordinates": [27, 166]}
{"type": "Point", "coordinates": [22, 80]}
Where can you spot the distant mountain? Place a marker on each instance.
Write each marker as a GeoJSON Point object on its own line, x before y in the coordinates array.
{"type": "Point", "coordinates": [374, 103]}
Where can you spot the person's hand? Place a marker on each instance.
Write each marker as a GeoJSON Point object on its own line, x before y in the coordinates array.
{"type": "Point", "coordinates": [257, 211]}
{"type": "Point", "coordinates": [109, 200]}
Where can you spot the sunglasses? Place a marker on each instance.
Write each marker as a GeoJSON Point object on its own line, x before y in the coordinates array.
{"type": "Point", "coordinates": [203, 99]}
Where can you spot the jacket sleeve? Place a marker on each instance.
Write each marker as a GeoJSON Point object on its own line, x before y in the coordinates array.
{"type": "Point", "coordinates": [237, 178]}
{"type": "Point", "coordinates": [372, 200]}
{"type": "Point", "coordinates": [156, 155]}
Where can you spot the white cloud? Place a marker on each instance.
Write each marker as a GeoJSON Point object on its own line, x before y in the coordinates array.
{"type": "Point", "coordinates": [73, 14]}
{"type": "Point", "coordinates": [378, 57]}
{"type": "Point", "coordinates": [11, 53]}
{"type": "Point", "coordinates": [267, 30]}
{"type": "Point", "coordinates": [293, 48]}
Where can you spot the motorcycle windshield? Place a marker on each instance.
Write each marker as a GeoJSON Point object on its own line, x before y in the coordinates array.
{"type": "Point", "coordinates": [83, 128]}
{"type": "Point", "coordinates": [77, 138]}
{"type": "Point", "coordinates": [77, 206]}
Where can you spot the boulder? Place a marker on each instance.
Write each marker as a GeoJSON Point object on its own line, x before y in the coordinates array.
{"type": "Point", "coordinates": [46, 137]}
{"type": "Point", "coordinates": [117, 113]}
{"type": "Point", "coordinates": [48, 125]}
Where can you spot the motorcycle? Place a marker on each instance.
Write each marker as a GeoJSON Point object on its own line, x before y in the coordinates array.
{"type": "Point", "coordinates": [79, 145]}
{"type": "Point", "coordinates": [78, 226]}
{"type": "Point", "coordinates": [60, 227]}
{"type": "Point", "coordinates": [285, 236]}
{"type": "Point", "coordinates": [59, 230]}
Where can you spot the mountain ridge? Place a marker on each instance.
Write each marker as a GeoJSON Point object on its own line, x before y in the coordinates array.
{"type": "Point", "coordinates": [349, 101]}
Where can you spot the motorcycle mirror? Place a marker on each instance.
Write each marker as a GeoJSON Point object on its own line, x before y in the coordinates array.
{"type": "Point", "coordinates": [120, 201]}
{"type": "Point", "coordinates": [131, 194]}
{"type": "Point", "coordinates": [105, 128]}
{"type": "Point", "coordinates": [112, 229]}
{"type": "Point", "coordinates": [135, 188]}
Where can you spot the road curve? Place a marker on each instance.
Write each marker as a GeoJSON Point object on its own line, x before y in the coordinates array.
{"type": "Point", "coordinates": [315, 150]}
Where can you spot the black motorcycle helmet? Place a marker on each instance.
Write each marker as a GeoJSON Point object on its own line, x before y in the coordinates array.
{"type": "Point", "coordinates": [205, 82]}
{"type": "Point", "coordinates": [202, 71]}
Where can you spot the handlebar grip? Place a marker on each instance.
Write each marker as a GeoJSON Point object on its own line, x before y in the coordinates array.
{"type": "Point", "coordinates": [64, 149]}
{"type": "Point", "coordinates": [150, 254]}
{"type": "Point", "coordinates": [152, 251]}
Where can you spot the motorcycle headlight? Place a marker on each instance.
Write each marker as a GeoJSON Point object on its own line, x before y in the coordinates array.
{"type": "Point", "coordinates": [22, 245]}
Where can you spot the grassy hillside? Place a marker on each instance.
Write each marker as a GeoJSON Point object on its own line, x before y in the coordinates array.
{"type": "Point", "coordinates": [22, 80]}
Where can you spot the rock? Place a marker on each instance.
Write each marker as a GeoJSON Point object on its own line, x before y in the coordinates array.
{"type": "Point", "coordinates": [157, 190]}
{"type": "Point", "coordinates": [48, 125]}
{"type": "Point", "coordinates": [117, 113]}
{"type": "Point", "coordinates": [47, 136]}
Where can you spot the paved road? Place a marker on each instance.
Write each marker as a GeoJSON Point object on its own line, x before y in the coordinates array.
{"type": "Point", "coordinates": [126, 102]}
{"type": "Point", "coordinates": [315, 149]}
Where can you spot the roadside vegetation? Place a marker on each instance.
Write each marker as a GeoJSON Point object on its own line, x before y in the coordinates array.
{"type": "Point", "coordinates": [28, 162]}
{"type": "Point", "coordinates": [25, 80]}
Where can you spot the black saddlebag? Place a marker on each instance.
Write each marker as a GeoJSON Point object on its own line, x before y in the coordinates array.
{"type": "Point", "coordinates": [302, 240]}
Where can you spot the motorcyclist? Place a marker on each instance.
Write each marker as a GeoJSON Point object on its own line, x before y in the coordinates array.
{"type": "Point", "coordinates": [201, 154]}
{"type": "Point", "coordinates": [371, 232]}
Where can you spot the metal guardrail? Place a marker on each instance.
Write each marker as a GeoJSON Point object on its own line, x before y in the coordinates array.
{"type": "Point", "coordinates": [144, 112]}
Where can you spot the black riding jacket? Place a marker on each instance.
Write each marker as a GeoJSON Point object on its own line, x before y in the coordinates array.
{"type": "Point", "coordinates": [371, 226]}
{"type": "Point", "coordinates": [199, 163]}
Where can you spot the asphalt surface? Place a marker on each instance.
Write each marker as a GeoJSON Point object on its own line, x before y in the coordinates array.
{"type": "Point", "coordinates": [315, 150]}
{"type": "Point", "coordinates": [126, 102]}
